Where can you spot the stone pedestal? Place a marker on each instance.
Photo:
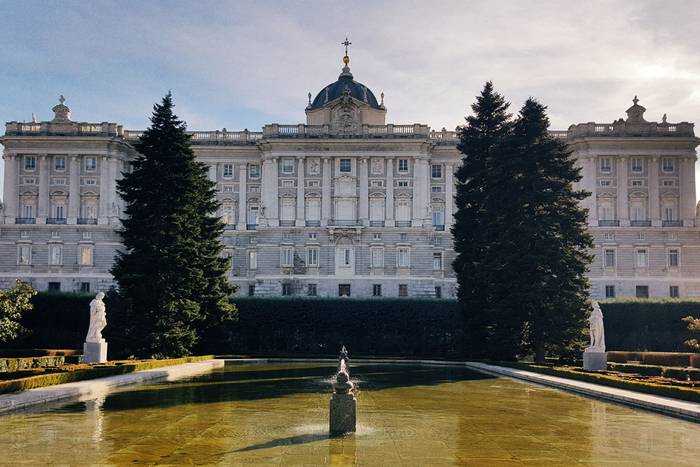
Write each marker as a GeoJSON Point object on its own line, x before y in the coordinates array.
{"type": "Point", "coordinates": [343, 417]}
{"type": "Point", "coordinates": [95, 352]}
{"type": "Point", "coordinates": [595, 361]}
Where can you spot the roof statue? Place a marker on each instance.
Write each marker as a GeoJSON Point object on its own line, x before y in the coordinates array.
{"type": "Point", "coordinates": [635, 114]}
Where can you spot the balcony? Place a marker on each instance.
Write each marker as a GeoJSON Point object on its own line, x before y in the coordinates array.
{"type": "Point", "coordinates": [56, 220]}
{"type": "Point", "coordinates": [313, 223]}
{"type": "Point", "coordinates": [87, 221]}
{"type": "Point", "coordinates": [251, 226]}
{"type": "Point", "coordinates": [287, 223]}
{"type": "Point", "coordinates": [439, 228]}
{"type": "Point", "coordinates": [229, 226]}
{"type": "Point", "coordinates": [638, 223]}
{"type": "Point", "coordinates": [676, 223]}
{"type": "Point", "coordinates": [403, 223]}
{"type": "Point", "coordinates": [608, 223]}
{"type": "Point", "coordinates": [376, 223]}
{"type": "Point", "coordinates": [25, 220]}
{"type": "Point", "coordinates": [344, 222]}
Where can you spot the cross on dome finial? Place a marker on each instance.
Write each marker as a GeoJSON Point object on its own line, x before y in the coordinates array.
{"type": "Point", "coordinates": [346, 43]}
{"type": "Point", "coordinates": [346, 58]}
{"type": "Point", "coordinates": [61, 99]}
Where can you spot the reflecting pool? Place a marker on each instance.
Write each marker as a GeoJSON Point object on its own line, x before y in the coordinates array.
{"type": "Point", "coordinates": [277, 414]}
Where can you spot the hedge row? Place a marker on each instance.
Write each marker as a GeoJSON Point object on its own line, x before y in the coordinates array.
{"type": "Point", "coordinates": [682, 374]}
{"type": "Point", "coordinates": [16, 364]}
{"type": "Point", "coordinates": [97, 371]}
{"type": "Point", "coordinates": [367, 326]}
{"type": "Point", "coordinates": [680, 359]}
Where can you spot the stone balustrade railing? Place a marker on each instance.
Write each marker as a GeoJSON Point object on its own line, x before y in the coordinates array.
{"type": "Point", "coordinates": [623, 128]}
{"type": "Point", "coordinates": [63, 128]}
{"type": "Point", "coordinates": [209, 137]}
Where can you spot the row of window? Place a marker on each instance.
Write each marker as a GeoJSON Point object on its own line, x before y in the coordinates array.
{"type": "Point", "coordinates": [344, 290]}
{"type": "Point", "coordinates": [673, 258]}
{"type": "Point", "coordinates": [642, 291]}
{"type": "Point", "coordinates": [638, 209]}
{"type": "Point", "coordinates": [608, 182]}
{"type": "Point", "coordinates": [668, 164]}
{"type": "Point", "coordinates": [344, 257]}
{"type": "Point", "coordinates": [56, 287]}
{"type": "Point", "coordinates": [55, 255]}
{"type": "Point", "coordinates": [345, 166]}
{"type": "Point", "coordinates": [59, 163]}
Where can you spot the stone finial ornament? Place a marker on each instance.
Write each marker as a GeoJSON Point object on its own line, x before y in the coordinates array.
{"type": "Point", "coordinates": [61, 111]}
{"type": "Point", "coordinates": [635, 114]}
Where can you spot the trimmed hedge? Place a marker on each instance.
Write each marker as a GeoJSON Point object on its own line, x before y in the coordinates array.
{"type": "Point", "coordinates": [411, 327]}
{"type": "Point", "coordinates": [96, 371]}
{"type": "Point", "coordinates": [678, 359]}
{"type": "Point", "coordinates": [16, 364]}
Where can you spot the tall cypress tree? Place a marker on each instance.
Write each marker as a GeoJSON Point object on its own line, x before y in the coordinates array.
{"type": "Point", "coordinates": [550, 242]}
{"type": "Point", "coordinates": [480, 142]}
{"type": "Point", "coordinates": [171, 274]}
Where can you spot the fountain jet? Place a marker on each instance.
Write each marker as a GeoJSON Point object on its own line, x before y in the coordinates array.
{"type": "Point", "coordinates": [343, 407]}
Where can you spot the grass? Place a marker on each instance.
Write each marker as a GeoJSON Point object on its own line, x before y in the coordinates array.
{"type": "Point", "coordinates": [656, 385]}
{"type": "Point", "coordinates": [81, 372]}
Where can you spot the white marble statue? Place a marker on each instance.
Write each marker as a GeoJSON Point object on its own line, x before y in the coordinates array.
{"type": "Point", "coordinates": [98, 319]}
{"type": "Point", "coordinates": [597, 330]}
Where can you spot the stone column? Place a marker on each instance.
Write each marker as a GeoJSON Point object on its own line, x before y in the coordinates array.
{"type": "Point", "coordinates": [420, 198]}
{"type": "Point", "coordinates": [74, 189]}
{"type": "Point", "coordinates": [43, 211]}
{"type": "Point", "coordinates": [389, 222]}
{"type": "Point", "coordinates": [326, 192]}
{"type": "Point", "coordinates": [300, 219]}
{"type": "Point", "coordinates": [242, 196]}
{"type": "Point", "coordinates": [10, 188]}
{"type": "Point", "coordinates": [102, 215]}
{"type": "Point", "coordinates": [449, 195]}
{"type": "Point", "coordinates": [270, 191]}
{"type": "Point", "coordinates": [622, 202]}
{"type": "Point", "coordinates": [654, 202]}
{"type": "Point", "coordinates": [590, 183]}
{"type": "Point", "coordinates": [112, 210]}
{"type": "Point", "coordinates": [364, 192]}
{"type": "Point", "coordinates": [687, 200]}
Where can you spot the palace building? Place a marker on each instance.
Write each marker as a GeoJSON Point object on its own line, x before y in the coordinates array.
{"type": "Point", "coordinates": [345, 204]}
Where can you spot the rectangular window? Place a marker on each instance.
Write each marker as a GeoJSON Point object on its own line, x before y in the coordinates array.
{"type": "Point", "coordinates": [637, 183]}
{"type": "Point", "coordinates": [436, 189]}
{"type": "Point", "coordinates": [377, 183]}
{"type": "Point", "coordinates": [436, 171]}
{"type": "Point", "coordinates": [228, 170]}
{"type": "Point", "coordinates": [24, 255]}
{"type": "Point", "coordinates": [376, 290]}
{"type": "Point", "coordinates": [642, 291]}
{"type": "Point", "coordinates": [377, 236]}
{"type": "Point", "coordinates": [254, 171]}
{"type": "Point", "coordinates": [673, 257]}
{"type": "Point", "coordinates": [609, 291]}
{"type": "Point", "coordinates": [59, 163]}
{"type": "Point", "coordinates": [227, 189]}
{"type": "Point", "coordinates": [642, 258]}
{"type": "Point", "coordinates": [438, 216]}
{"type": "Point", "coordinates": [669, 183]}
{"type": "Point", "coordinates": [377, 257]}
{"type": "Point", "coordinates": [667, 164]}
{"type": "Point", "coordinates": [637, 164]}
{"type": "Point", "coordinates": [403, 165]}
{"type": "Point", "coordinates": [605, 165]}
{"type": "Point", "coordinates": [286, 289]}
{"type": "Point", "coordinates": [312, 257]}
{"type": "Point", "coordinates": [403, 257]}
{"type": "Point", "coordinates": [402, 183]}
{"type": "Point", "coordinates": [343, 290]}
{"type": "Point", "coordinates": [252, 260]}
{"type": "Point", "coordinates": [609, 258]}
{"type": "Point", "coordinates": [87, 235]}
{"type": "Point", "coordinates": [313, 183]}
{"type": "Point", "coordinates": [313, 235]}
{"type": "Point", "coordinates": [437, 261]}
{"type": "Point", "coordinates": [673, 291]}
{"type": "Point", "coordinates": [403, 290]}
{"type": "Point", "coordinates": [55, 254]}
{"type": "Point", "coordinates": [606, 183]}
{"type": "Point", "coordinates": [311, 290]}
{"type": "Point", "coordinates": [54, 286]}
{"type": "Point", "coordinates": [86, 255]}
{"type": "Point", "coordinates": [287, 183]}
{"type": "Point", "coordinates": [287, 166]}
{"type": "Point", "coordinates": [438, 291]}
{"type": "Point", "coordinates": [29, 163]}
{"type": "Point", "coordinates": [287, 256]}
{"type": "Point", "coordinates": [345, 165]}
{"type": "Point", "coordinates": [251, 290]}
{"type": "Point", "coordinates": [90, 163]}
{"type": "Point", "coordinates": [608, 236]}
{"type": "Point", "coordinates": [84, 287]}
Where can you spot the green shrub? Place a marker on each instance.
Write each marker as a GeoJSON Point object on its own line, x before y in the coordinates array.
{"type": "Point", "coordinates": [681, 359]}
{"type": "Point", "coordinates": [15, 364]}
{"type": "Point", "coordinates": [644, 370]}
{"type": "Point", "coordinates": [14, 303]}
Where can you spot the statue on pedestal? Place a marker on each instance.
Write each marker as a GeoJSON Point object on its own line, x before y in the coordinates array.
{"type": "Point", "coordinates": [597, 330]}
{"type": "Point", "coordinates": [98, 319]}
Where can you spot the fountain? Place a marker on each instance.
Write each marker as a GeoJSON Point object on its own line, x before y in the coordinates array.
{"type": "Point", "coordinates": [343, 407]}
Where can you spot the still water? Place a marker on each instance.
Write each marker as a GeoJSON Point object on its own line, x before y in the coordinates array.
{"type": "Point", "coordinates": [277, 414]}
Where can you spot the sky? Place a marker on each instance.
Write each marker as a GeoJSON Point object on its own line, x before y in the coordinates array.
{"type": "Point", "coordinates": [243, 64]}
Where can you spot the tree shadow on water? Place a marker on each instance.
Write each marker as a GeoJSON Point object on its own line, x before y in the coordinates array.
{"type": "Point", "coordinates": [289, 441]}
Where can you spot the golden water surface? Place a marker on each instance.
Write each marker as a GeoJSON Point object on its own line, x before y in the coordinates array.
{"type": "Point", "coordinates": [277, 414]}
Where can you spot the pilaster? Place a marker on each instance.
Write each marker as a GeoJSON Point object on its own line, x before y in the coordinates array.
{"type": "Point", "coordinates": [300, 219]}
{"type": "Point", "coordinates": [654, 202]}
{"type": "Point", "coordinates": [102, 215]}
{"type": "Point", "coordinates": [364, 191]}
{"type": "Point", "coordinates": [74, 189]}
{"type": "Point", "coordinates": [242, 196]}
{"type": "Point", "coordinates": [270, 192]}
{"type": "Point", "coordinates": [687, 200]}
{"type": "Point", "coordinates": [389, 222]}
{"type": "Point", "coordinates": [326, 192]}
{"type": "Point", "coordinates": [449, 195]}
{"type": "Point", "coordinates": [43, 209]}
{"type": "Point", "coordinates": [10, 197]}
{"type": "Point", "coordinates": [622, 194]}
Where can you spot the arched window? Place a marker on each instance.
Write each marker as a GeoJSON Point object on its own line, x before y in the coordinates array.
{"type": "Point", "coordinates": [58, 202]}
{"type": "Point", "coordinates": [376, 209]}
{"type": "Point", "coordinates": [88, 207]}
{"type": "Point", "coordinates": [313, 208]}
{"type": "Point", "coordinates": [403, 209]}
{"type": "Point", "coordinates": [287, 210]}
{"type": "Point", "coordinates": [27, 211]}
{"type": "Point", "coordinates": [228, 212]}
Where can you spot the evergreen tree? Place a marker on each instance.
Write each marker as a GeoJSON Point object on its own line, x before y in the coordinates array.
{"type": "Point", "coordinates": [549, 242]}
{"type": "Point", "coordinates": [171, 274]}
{"type": "Point", "coordinates": [481, 140]}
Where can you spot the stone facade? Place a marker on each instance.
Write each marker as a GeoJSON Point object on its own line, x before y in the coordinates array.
{"type": "Point", "coordinates": [344, 204]}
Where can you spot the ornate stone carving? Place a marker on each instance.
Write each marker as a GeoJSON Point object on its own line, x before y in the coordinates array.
{"type": "Point", "coordinates": [314, 166]}
{"type": "Point", "coordinates": [377, 166]}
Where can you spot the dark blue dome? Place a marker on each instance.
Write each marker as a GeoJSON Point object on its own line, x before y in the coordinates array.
{"type": "Point", "coordinates": [335, 90]}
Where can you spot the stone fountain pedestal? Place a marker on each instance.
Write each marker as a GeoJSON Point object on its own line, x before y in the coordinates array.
{"type": "Point", "coordinates": [343, 414]}
{"type": "Point", "coordinates": [95, 352]}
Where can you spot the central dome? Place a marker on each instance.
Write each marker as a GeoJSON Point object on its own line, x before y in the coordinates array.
{"type": "Point", "coordinates": [345, 84]}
